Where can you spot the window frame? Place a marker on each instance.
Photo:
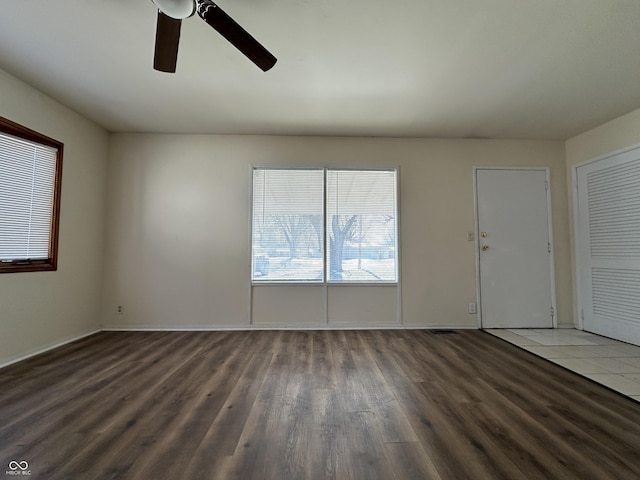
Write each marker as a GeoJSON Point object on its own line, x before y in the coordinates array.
{"type": "Point", "coordinates": [326, 282]}
{"type": "Point", "coordinates": [51, 262]}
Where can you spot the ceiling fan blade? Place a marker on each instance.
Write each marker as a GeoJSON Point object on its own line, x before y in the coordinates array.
{"type": "Point", "coordinates": [235, 34]}
{"type": "Point", "coordinates": [167, 39]}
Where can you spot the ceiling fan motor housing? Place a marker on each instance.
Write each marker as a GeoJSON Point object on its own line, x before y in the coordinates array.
{"type": "Point", "coordinates": [178, 9]}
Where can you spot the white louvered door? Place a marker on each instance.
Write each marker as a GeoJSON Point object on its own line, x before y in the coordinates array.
{"type": "Point", "coordinates": [608, 246]}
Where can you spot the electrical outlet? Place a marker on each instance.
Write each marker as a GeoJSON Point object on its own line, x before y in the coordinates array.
{"type": "Point", "coordinates": [119, 310]}
{"type": "Point", "coordinates": [472, 307]}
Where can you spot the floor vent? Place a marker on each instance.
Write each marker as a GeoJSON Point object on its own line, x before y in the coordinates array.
{"type": "Point", "coordinates": [441, 331]}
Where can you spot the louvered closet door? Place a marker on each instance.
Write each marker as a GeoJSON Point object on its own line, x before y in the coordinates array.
{"type": "Point", "coordinates": [608, 245]}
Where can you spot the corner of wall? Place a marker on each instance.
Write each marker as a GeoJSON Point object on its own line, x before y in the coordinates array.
{"type": "Point", "coordinates": [41, 310]}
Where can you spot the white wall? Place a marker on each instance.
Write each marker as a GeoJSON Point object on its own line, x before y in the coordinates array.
{"type": "Point", "coordinates": [177, 253]}
{"type": "Point", "coordinates": [41, 309]}
{"type": "Point", "coordinates": [617, 134]}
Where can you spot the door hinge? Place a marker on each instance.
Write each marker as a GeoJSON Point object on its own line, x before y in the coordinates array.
{"type": "Point", "coordinates": [546, 185]}
{"type": "Point", "coordinates": [553, 312]}
{"type": "Point", "coordinates": [582, 314]}
{"type": "Point", "coordinates": [549, 247]}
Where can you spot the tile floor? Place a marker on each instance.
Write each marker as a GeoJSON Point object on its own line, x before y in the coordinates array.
{"type": "Point", "coordinates": [606, 361]}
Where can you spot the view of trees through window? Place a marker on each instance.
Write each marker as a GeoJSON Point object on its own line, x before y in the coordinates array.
{"type": "Point", "coordinates": [310, 221]}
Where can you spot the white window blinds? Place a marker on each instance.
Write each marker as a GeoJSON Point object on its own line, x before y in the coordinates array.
{"type": "Point", "coordinates": [27, 178]}
{"type": "Point", "coordinates": [361, 225]}
{"type": "Point", "coordinates": [316, 225]}
{"type": "Point", "coordinates": [287, 225]}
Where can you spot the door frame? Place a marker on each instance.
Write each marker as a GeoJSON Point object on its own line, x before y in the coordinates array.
{"type": "Point", "coordinates": [477, 238]}
{"type": "Point", "coordinates": [575, 212]}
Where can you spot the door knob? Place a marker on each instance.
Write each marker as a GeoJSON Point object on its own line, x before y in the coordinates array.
{"type": "Point", "coordinates": [483, 234]}
{"type": "Point", "coordinates": [485, 248]}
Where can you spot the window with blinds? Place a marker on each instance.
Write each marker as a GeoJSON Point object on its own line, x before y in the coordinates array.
{"type": "Point", "coordinates": [324, 225]}
{"type": "Point", "coordinates": [30, 168]}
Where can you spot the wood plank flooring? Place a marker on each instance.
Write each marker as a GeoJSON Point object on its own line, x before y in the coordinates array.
{"type": "Point", "coordinates": [310, 405]}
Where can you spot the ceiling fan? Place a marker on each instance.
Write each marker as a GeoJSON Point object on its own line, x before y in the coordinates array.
{"type": "Point", "coordinates": [170, 16]}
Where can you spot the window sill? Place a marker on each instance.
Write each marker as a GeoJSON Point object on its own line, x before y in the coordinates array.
{"type": "Point", "coordinates": [18, 267]}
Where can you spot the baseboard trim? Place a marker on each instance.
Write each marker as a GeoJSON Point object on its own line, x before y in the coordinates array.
{"type": "Point", "coordinates": [48, 347]}
{"type": "Point", "coordinates": [243, 328]}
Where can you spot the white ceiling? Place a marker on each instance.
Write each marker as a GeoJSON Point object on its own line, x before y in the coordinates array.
{"type": "Point", "coordinates": [430, 68]}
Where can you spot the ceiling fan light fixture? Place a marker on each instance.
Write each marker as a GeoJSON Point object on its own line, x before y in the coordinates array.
{"type": "Point", "coordinates": [178, 9]}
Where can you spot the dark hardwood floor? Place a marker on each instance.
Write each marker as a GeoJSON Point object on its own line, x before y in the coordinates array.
{"type": "Point", "coordinates": [310, 405]}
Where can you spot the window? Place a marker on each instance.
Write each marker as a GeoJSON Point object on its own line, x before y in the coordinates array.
{"type": "Point", "coordinates": [30, 173]}
{"type": "Point", "coordinates": [317, 225]}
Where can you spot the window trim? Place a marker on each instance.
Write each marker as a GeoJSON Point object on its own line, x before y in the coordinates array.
{"type": "Point", "coordinates": [51, 263]}
{"type": "Point", "coordinates": [326, 282]}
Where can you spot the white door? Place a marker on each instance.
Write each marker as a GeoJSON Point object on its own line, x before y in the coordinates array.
{"type": "Point", "coordinates": [608, 246]}
{"type": "Point", "coordinates": [515, 259]}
